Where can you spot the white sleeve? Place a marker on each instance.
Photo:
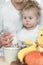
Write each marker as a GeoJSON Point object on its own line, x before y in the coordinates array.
{"type": "Point", "coordinates": [15, 41]}
{"type": "Point", "coordinates": [1, 23]}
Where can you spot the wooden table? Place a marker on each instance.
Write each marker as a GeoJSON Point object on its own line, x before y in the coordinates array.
{"type": "Point", "coordinates": [3, 62]}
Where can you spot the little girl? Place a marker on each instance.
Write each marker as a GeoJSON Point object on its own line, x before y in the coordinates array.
{"type": "Point", "coordinates": [31, 19]}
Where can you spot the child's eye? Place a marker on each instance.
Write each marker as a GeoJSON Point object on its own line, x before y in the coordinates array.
{"type": "Point", "coordinates": [24, 17]}
{"type": "Point", "coordinates": [30, 17]}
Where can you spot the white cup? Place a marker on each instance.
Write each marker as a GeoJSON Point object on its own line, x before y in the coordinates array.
{"type": "Point", "coordinates": [10, 54]}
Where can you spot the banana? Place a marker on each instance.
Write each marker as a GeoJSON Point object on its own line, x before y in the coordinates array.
{"type": "Point", "coordinates": [23, 52]}
{"type": "Point", "coordinates": [29, 42]}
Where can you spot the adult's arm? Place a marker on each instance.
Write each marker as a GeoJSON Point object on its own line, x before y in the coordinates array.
{"type": "Point", "coordinates": [5, 38]}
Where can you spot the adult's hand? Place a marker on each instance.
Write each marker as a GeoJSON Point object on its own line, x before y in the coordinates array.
{"type": "Point", "coordinates": [6, 39]}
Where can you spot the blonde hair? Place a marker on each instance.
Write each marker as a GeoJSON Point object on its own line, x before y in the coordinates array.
{"type": "Point", "coordinates": [32, 4]}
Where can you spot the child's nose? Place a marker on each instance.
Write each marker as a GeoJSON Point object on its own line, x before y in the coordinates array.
{"type": "Point", "coordinates": [27, 20]}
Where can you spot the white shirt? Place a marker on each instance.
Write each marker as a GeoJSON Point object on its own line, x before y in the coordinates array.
{"type": "Point", "coordinates": [2, 2]}
{"type": "Point", "coordinates": [27, 34]}
{"type": "Point", "coordinates": [10, 19]}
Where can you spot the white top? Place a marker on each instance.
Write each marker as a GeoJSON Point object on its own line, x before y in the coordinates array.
{"type": "Point", "coordinates": [10, 19]}
{"type": "Point", "coordinates": [25, 34]}
{"type": "Point", "coordinates": [31, 34]}
{"type": "Point", "coordinates": [2, 2]}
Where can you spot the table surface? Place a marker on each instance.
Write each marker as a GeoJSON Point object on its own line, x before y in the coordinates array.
{"type": "Point", "coordinates": [3, 62]}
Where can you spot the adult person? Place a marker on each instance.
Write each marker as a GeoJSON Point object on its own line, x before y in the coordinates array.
{"type": "Point", "coordinates": [10, 17]}
{"type": "Point", "coordinates": [2, 2]}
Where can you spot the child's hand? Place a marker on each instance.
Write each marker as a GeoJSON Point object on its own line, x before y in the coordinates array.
{"type": "Point", "coordinates": [6, 39]}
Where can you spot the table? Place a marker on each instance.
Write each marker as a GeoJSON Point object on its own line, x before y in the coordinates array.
{"type": "Point", "coordinates": [3, 62]}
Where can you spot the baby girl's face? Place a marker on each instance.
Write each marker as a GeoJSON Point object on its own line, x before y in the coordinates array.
{"type": "Point", "coordinates": [29, 18]}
